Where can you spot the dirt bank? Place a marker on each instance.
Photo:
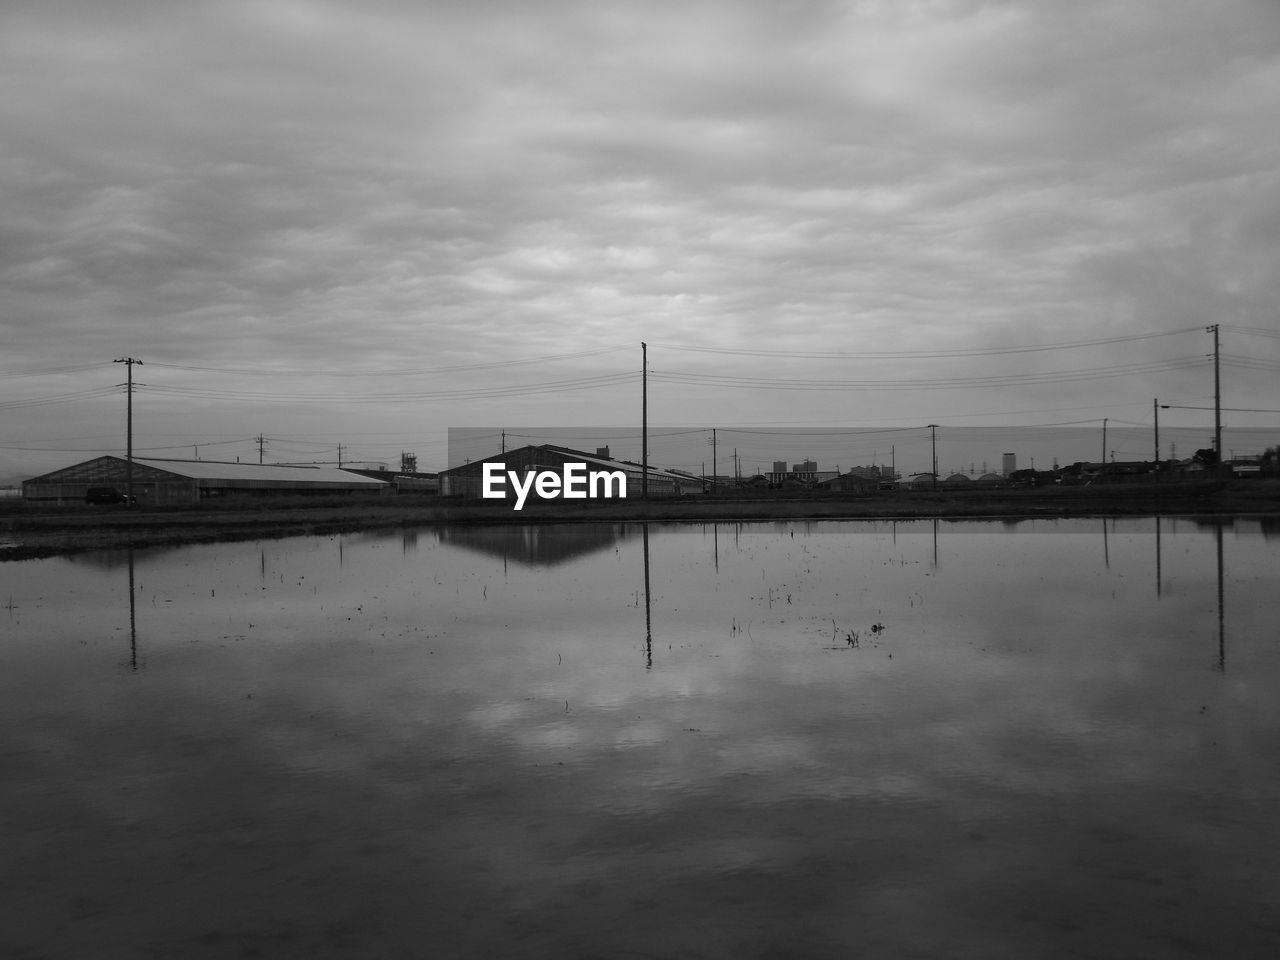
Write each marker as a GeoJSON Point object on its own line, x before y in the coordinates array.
{"type": "Point", "coordinates": [34, 530]}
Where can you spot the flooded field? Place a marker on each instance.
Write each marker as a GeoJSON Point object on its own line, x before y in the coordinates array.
{"type": "Point", "coordinates": [822, 740]}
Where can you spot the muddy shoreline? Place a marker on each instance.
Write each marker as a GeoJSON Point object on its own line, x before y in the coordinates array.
{"type": "Point", "coordinates": [29, 531]}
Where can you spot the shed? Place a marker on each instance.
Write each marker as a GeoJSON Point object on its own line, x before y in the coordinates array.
{"type": "Point", "coordinates": [188, 481]}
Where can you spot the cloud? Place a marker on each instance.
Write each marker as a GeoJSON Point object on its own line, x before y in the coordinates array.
{"type": "Point", "coordinates": [304, 187]}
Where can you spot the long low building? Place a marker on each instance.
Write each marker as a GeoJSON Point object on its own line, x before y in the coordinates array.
{"type": "Point", "coordinates": [188, 481]}
{"type": "Point", "coordinates": [468, 480]}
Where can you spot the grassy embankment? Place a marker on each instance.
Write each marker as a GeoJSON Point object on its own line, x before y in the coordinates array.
{"type": "Point", "coordinates": [36, 530]}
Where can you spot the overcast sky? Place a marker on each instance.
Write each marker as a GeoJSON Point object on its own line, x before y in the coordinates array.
{"type": "Point", "coordinates": [313, 221]}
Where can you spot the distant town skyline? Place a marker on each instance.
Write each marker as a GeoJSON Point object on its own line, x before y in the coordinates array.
{"type": "Point", "coordinates": [909, 449]}
{"type": "Point", "coordinates": [365, 224]}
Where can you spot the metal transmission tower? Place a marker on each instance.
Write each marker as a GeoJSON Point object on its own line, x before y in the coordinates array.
{"type": "Point", "coordinates": [128, 470]}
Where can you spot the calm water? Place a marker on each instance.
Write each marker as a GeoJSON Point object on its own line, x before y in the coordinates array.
{"type": "Point", "coordinates": [819, 740]}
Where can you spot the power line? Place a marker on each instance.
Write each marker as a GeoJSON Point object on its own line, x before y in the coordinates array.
{"type": "Point", "coordinates": [60, 398]}
{"type": "Point", "coordinates": [404, 372]}
{"type": "Point", "coordinates": [920, 383]}
{"type": "Point", "coordinates": [473, 393]}
{"type": "Point", "coordinates": [924, 354]}
{"type": "Point", "coordinates": [47, 371]}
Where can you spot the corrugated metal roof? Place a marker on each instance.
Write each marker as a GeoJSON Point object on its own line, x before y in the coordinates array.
{"type": "Point", "coordinates": [259, 472]}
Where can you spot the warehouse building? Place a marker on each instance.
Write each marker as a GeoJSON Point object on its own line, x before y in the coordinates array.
{"type": "Point", "coordinates": [189, 481]}
{"type": "Point", "coordinates": [468, 480]}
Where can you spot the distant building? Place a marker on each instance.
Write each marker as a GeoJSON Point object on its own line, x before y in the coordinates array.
{"type": "Point", "coordinates": [468, 480]}
{"type": "Point", "coordinates": [871, 473]}
{"type": "Point", "coordinates": [801, 474]}
{"type": "Point", "coordinates": [1010, 463]}
{"type": "Point", "coordinates": [849, 483]}
{"type": "Point", "coordinates": [189, 481]}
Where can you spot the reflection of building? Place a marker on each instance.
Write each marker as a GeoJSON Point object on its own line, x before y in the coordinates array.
{"type": "Point", "coordinates": [468, 479]}
{"type": "Point", "coordinates": [542, 544]}
{"type": "Point", "coordinates": [186, 481]}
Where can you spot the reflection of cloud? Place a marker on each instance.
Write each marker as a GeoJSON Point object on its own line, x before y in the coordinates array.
{"type": "Point", "coordinates": [1022, 774]}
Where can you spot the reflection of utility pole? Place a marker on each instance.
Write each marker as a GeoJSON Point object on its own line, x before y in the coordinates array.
{"type": "Point", "coordinates": [133, 618]}
{"type": "Point", "coordinates": [128, 470]}
{"type": "Point", "coordinates": [648, 622]}
{"type": "Point", "coordinates": [1222, 632]}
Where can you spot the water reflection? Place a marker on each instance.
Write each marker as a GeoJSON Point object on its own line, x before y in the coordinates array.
{"type": "Point", "coordinates": [535, 544]}
{"type": "Point", "coordinates": [648, 613]}
{"type": "Point", "coordinates": [133, 618]}
{"type": "Point", "coordinates": [342, 750]}
{"type": "Point", "coordinates": [1222, 630]}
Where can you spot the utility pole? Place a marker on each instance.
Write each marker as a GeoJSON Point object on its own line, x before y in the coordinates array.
{"type": "Point", "coordinates": [1217, 401]}
{"type": "Point", "coordinates": [1104, 440]}
{"type": "Point", "coordinates": [128, 470]}
{"type": "Point", "coordinates": [504, 442]}
{"type": "Point", "coordinates": [714, 468]}
{"type": "Point", "coordinates": [933, 433]}
{"type": "Point", "coordinates": [262, 445]}
{"type": "Point", "coordinates": [339, 456]}
{"type": "Point", "coordinates": [644, 420]}
{"type": "Point", "coordinates": [1155, 409]}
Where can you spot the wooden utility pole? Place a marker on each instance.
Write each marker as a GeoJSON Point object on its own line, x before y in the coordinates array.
{"type": "Point", "coordinates": [713, 460]}
{"type": "Point", "coordinates": [1217, 400]}
{"type": "Point", "coordinates": [1104, 440]}
{"type": "Point", "coordinates": [1155, 409]}
{"type": "Point", "coordinates": [644, 420]}
{"type": "Point", "coordinates": [128, 470]}
{"type": "Point", "coordinates": [933, 434]}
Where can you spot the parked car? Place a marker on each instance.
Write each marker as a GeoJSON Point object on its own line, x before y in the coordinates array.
{"type": "Point", "coordinates": [105, 495]}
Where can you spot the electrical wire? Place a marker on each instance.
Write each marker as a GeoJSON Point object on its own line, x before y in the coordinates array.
{"type": "Point", "coordinates": [405, 372]}
{"type": "Point", "coordinates": [924, 354]}
{"type": "Point", "coordinates": [474, 393]}
{"type": "Point", "coordinates": [59, 398]}
{"type": "Point", "coordinates": [1008, 380]}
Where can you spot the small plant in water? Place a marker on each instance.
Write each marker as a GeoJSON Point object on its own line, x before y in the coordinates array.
{"type": "Point", "coordinates": [851, 638]}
